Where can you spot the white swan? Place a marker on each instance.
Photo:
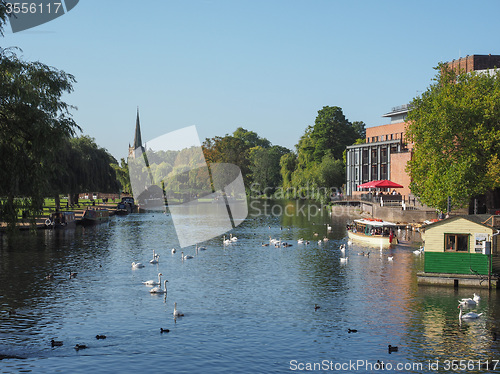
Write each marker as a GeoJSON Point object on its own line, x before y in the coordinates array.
{"type": "Point", "coordinates": [467, 302]}
{"type": "Point", "coordinates": [159, 289]}
{"type": "Point", "coordinates": [155, 258]}
{"type": "Point", "coordinates": [176, 312]}
{"type": "Point", "coordinates": [226, 241]}
{"type": "Point", "coordinates": [233, 238]}
{"type": "Point", "coordinates": [476, 297]}
{"type": "Point", "coordinates": [137, 265]}
{"type": "Point", "coordinates": [186, 257]}
{"type": "Point", "coordinates": [202, 248]}
{"type": "Point", "coordinates": [470, 315]}
{"type": "Point", "coordinates": [153, 282]}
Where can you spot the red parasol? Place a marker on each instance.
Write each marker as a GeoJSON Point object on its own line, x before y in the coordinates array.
{"type": "Point", "coordinates": [384, 183]}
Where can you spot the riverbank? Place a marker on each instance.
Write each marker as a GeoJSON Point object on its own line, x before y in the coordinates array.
{"type": "Point", "coordinates": [40, 221]}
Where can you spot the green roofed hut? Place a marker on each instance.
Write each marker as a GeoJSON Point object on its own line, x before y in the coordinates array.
{"type": "Point", "coordinates": [462, 251]}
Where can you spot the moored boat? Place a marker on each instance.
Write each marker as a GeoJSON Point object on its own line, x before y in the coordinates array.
{"type": "Point", "coordinates": [95, 216]}
{"type": "Point", "coordinates": [61, 220]}
{"type": "Point", "coordinates": [123, 209]}
{"type": "Point", "coordinates": [373, 231]}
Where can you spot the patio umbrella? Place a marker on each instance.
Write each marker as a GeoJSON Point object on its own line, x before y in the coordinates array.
{"type": "Point", "coordinates": [368, 185]}
{"type": "Point", "coordinates": [384, 183]}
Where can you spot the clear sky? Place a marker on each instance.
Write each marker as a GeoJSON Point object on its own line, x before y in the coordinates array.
{"type": "Point", "coordinates": [265, 65]}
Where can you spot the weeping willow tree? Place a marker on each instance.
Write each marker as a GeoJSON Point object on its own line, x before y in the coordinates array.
{"type": "Point", "coordinates": [34, 121]}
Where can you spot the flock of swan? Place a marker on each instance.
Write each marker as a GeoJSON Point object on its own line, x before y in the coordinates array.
{"type": "Point", "coordinates": [156, 284]}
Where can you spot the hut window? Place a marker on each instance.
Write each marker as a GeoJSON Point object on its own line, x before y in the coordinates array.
{"type": "Point", "coordinates": [456, 242]}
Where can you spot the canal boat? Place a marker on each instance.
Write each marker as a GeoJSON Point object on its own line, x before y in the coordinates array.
{"type": "Point", "coordinates": [61, 220]}
{"type": "Point", "coordinates": [122, 209]}
{"type": "Point", "coordinates": [373, 231]}
{"type": "Point", "coordinates": [95, 216]}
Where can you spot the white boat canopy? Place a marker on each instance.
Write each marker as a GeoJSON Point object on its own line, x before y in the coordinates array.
{"type": "Point", "coordinates": [377, 223]}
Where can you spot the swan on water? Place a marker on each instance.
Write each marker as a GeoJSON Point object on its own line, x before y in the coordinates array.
{"type": "Point", "coordinates": [186, 257]}
{"type": "Point", "coordinates": [226, 241]}
{"type": "Point", "coordinates": [137, 265]}
{"type": "Point", "coordinates": [476, 297]}
{"type": "Point", "coordinates": [153, 282]}
{"type": "Point", "coordinates": [159, 289]}
{"type": "Point", "coordinates": [467, 302]}
{"type": "Point", "coordinates": [155, 259]}
{"type": "Point", "coordinates": [470, 315]}
{"type": "Point", "coordinates": [176, 312]}
{"type": "Point", "coordinates": [232, 238]}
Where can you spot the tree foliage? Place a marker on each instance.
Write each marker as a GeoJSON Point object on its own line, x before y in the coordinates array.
{"type": "Point", "coordinates": [265, 167]}
{"type": "Point", "coordinates": [318, 163]}
{"type": "Point", "coordinates": [455, 127]}
{"type": "Point", "coordinates": [34, 122]}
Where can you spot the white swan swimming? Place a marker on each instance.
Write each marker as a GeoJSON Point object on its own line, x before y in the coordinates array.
{"type": "Point", "coordinates": [176, 312]}
{"type": "Point", "coordinates": [476, 297]}
{"type": "Point", "coordinates": [153, 282]}
{"type": "Point", "coordinates": [226, 241]}
{"type": "Point", "coordinates": [155, 258]}
{"type": "Point", "coordinates": [470, 315]}
{"type": "Point", "coordinates": [467, 302]}
{"type": "Point", "coordinates": [186, 257]}
{"type": "Point", "coordinates": [159, 289]}
{"type": "Point", "coordinates": [233, 238]}
{"type": "Point", "coordinates": [137, 265]}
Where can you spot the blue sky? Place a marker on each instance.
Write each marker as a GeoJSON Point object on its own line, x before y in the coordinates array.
{"type": "Point", "coordinates": [267, 66]}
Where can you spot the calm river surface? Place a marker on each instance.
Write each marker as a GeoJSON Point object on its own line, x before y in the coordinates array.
{"type": "Point", "coordinates": [248, 308]}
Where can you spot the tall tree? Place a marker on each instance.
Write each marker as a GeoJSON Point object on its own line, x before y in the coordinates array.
{"type": "Point", "coordinates": [34, 122]}
{"type": "Point", "coordinates": [265, 167]}
{"type": "Point", "coordinates": [455, 127]}
{"type": "Point", "coordinates": [251, 138]}
{"type": "Point", "coordinates": [332, 132]}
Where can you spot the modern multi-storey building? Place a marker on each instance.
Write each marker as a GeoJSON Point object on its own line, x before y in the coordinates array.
{"type": "Point", "coordinates": [383, 156]}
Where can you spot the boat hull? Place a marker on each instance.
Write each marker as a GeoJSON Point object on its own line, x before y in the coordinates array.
{"type": "Point", "coordinates": [94, 217]}
{"type": "Point", "coordinates": [375, 240]}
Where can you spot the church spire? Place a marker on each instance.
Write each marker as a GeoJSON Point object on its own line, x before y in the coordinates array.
{"type": "Point", "coordinates": [137, 138]}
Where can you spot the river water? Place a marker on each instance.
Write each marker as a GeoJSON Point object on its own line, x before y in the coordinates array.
{"type": "Point", "coordinates": [247, 308]}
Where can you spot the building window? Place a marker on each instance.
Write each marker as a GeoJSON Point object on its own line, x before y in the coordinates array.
{"type": "Point", "coordinates": [456, 242]}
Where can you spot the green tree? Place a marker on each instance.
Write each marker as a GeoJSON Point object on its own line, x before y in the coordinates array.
{"type": "Point", "coordinates": [251, 138]}
{"type": "Point", "coordinates": [332, 132]}
{"type": "Point", "coordinates": [288, 164]}
{"type": "Point", "coordinates": [265, 167]}
{"type": "Point", "coordinates": [34, 122]}
{"type": "Point", "coordinates": [455, 127]}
